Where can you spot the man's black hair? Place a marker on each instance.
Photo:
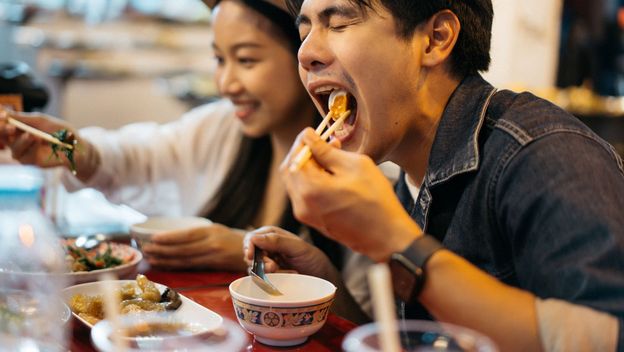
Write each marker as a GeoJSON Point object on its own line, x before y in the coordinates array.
{"type": "Point", "coordinates": [472, 50]}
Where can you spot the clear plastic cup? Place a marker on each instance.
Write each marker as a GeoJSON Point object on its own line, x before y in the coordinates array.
{"type": "Point", "coordinates": [168, 332]}
{"type": "Point", "coordinates": [421, 336]}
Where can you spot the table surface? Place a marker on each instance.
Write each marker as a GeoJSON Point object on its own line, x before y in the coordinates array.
{"type": "Point", "coordinates": [210, 289]}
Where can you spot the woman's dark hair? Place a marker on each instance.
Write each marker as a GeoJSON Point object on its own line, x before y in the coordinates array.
{"type": "Point", "coordinates": [472, 50]}
{"type": "Point", "coordinates": [239, 199]}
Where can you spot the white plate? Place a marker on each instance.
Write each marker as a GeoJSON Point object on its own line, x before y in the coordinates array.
{"type": "Point", "coordinates": [124, 271]}
{"type": "Point", "coordinates": [189, 310]}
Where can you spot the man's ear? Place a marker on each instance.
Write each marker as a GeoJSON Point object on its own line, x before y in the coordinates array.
{"type": "Point", "coordinates": [443, 30]}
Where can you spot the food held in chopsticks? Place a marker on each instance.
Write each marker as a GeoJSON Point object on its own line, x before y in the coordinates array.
{"type": "Point", "coordinates": [68, 141]}
{"type": "Point", "coordinates": [61, 141]}
{"type": "Point", "coordinates": [338, 103]}
{"type": "Point", "coordinates": [138, 297]}
{"type": "Point", "coordinates": [338, 112]}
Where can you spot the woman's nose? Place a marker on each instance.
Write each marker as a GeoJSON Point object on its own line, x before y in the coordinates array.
{"type": "Point", "coordinates": [228, 82]}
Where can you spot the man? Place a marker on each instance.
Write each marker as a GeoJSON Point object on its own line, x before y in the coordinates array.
{"type": "Point", "coordinates": [510, 206]}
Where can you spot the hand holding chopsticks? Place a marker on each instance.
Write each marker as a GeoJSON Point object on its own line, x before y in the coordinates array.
{"type": "Point", "coordinates": [35, 132]}
{"type": "Point", "coordinates": [305, 153]}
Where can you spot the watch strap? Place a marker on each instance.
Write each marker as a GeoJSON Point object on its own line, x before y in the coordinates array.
{"type": "Point", "coordinates": [408, 266]}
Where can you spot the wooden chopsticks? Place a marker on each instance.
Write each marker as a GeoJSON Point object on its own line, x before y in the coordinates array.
{"type": "Point", "coordinates": [305, 153]}
{"type": "Point", "coordinates": [35, 132]}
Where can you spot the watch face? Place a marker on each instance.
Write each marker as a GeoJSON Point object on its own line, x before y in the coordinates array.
{"type": "Point", "coordinates": [406, 283]}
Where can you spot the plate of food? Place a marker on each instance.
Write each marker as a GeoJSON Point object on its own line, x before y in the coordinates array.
{"type": "Point", "coordinates": [140, 296]}
{"type": "Point", "coordinates": [108, 257]}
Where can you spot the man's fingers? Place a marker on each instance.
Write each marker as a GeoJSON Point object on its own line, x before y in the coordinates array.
{"type": "Point", "coordinates": [326, 155]}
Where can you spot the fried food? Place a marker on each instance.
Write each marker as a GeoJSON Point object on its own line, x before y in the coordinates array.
{"type": "Point", "coordinates": [135, 298]}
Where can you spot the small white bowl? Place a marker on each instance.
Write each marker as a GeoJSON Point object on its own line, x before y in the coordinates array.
{"type": "Point", "coordinates": [285, 320]}
{"type": "Point", "coordinates": [142, 233]}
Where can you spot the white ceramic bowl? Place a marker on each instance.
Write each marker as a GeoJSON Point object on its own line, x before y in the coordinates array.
{"type": "Point", "coordinates": [285, 320]}
{"type": "Point", "coordinates": [141, 233]}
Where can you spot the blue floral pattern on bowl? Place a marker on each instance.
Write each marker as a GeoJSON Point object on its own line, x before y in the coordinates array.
{"type": "Point", "coordinates": [281, 317]}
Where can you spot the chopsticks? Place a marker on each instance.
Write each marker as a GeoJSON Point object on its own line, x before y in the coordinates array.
{"type": "Point", "coordinates": [383, 307]}
{"type": "Point", "coordinates": [305, 153]}
{"type": "Point", "coordinates": [35, 132]}
{"type": "Point", "coordinates": [111, 310]}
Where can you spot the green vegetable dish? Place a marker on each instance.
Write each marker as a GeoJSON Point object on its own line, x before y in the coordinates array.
{"type": "Point", "coordinates": [66, 137]}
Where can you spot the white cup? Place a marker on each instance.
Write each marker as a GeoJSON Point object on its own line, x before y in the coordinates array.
{"type": "Point", "coordinates": [142, 233]}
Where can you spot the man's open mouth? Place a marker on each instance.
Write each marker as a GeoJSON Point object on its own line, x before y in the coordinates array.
{"type": "Point", "coordinates": [322, 95]}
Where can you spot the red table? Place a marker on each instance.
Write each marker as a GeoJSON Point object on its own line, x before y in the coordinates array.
{"type": "Point", "coordinates": [210, 289]}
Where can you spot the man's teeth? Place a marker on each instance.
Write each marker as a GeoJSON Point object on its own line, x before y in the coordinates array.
{"type": "Point", "coordinates": [341, 132]}
{"type": "Point", "coordinates": [326, 89]}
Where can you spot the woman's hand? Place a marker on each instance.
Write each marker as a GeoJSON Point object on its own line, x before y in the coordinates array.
{"type": "Point", "coordinates": [287, 251]}
{"type": "Point", "coordinates": [211, 247]}
{"type": "Point", "coordinates": [32, 150]}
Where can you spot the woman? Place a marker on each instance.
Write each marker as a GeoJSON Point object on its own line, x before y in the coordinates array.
{"type": "Point", "coordinates": [219, 160]}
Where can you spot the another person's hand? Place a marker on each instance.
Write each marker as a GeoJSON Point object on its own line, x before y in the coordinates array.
{"type": "Point", "coordinates": [27, 148]}
{"type": "Point", "coordinates": [287, 251]}
{"type": "Point", "coordinates": [32, 150]}
{"type": "Point", "coordinates": [211, 247]}
{"type": "Point", "coordinates": [345, 195]}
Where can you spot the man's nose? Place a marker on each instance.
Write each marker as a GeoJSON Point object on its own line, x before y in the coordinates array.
{"type": "Point", "coordinates": [314, 53]}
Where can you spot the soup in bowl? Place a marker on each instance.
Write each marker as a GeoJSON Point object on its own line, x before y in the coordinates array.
{"type": "Point", "coordinates": [283, 320]}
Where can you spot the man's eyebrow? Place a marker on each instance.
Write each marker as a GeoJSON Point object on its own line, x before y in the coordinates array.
{"type": "Point", "coordinates": [327, 13]}
{"type": "Point", "coordinates": [338, 10]}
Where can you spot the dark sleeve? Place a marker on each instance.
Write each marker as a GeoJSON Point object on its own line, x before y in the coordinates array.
{"type": "Point", "coordinates": [560, 202]}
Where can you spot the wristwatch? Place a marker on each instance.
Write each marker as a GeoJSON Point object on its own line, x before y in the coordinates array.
{"type": "Point", "coordinates": [407, 267]}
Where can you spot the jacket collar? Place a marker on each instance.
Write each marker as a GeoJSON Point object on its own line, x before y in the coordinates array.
{"type": "Point", "coordinates": [455, 149]}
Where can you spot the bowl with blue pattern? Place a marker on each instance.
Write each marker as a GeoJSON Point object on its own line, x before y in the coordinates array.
{"type": "Point", "coordinates": [283, 320]}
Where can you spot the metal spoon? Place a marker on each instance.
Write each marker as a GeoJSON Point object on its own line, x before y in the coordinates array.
{"type": "Point", "coordinates": [88, 242]}
{"type": "Point", "coordinates": [259, 277]}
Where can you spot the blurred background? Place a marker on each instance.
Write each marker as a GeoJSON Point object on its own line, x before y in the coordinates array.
{"type": "Point", "coordinates": [111, 62]}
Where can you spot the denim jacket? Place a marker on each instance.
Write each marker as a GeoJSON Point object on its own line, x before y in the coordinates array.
{"type": "Point", "coordinates": [527, 193]}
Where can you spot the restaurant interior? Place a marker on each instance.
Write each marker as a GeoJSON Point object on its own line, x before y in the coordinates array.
{"type": "Point", "coordinates": [113, 63]}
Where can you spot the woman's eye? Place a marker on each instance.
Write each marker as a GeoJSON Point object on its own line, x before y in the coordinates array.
{"type": "Point", "coordinates": [246, 61]}
{"type": "Point", "coordinates": [220, 60]}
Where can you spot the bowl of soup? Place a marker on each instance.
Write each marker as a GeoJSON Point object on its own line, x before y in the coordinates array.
{"type": "Point", "coordinates": [287, 319]}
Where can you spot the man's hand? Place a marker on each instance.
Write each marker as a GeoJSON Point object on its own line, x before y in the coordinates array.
{"type": "Point", "coordinates": [287, 251]}
{"type": "Point", "coordinates": [348, 198]}
{"type": "Point", "coordinates": [210, 247]}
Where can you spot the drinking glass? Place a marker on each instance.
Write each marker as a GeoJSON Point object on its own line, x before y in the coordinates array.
{"type": "Point", "coordinates": [421, 336]}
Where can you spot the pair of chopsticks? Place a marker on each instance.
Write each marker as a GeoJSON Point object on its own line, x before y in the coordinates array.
{"type": "Point", "coordinates": [305, 153]}
{"type": "Point", "coordinates": [35, 132]}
